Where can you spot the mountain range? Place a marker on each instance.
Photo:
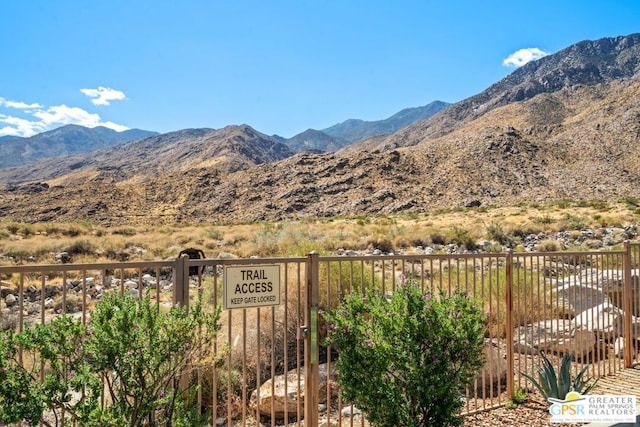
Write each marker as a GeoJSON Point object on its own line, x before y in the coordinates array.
{"type": "Point", "coordinates": [64, 141]}
{"type": "Point", "coordinates": [566, 126]}
{"type": "Point", "coordinates": [73, 139]}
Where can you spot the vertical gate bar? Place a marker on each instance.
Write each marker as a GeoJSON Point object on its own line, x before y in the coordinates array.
{"type": "Point", "coordinates": [272, 309]}
{"type": "Point", "coordinates": [178, 279]}
{"type": "Point", "coordinates": [509, 326]}
{"type": "Point", "coordinates": [286, 341]}
{"type": "Point", "coordinates": [258, 370]}
{"type": "Point", "coordinates": [84, 296]}
{"type": "Point", "coordinates": [244, 367]}
{"type": "Point", "coordinates": [311, 342]}
{"type": "Point", "coordinates": [300, 313]}
{"type": "Point", "coordinates": [43, 295]}
{"type": "Point", "coordinates": [327, 305]}
{"type": "Point", "coordinates": [627, 304]}
{"type": "Point", "coordinates": [214, 371]}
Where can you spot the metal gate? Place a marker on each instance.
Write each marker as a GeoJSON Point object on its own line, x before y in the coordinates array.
{"type": "Point", "coordinates": [275, 370]}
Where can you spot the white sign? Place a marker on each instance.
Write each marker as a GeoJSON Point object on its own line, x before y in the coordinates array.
{"type": "Point", "coordinates": [593, 409]}
{"type": "Point", "coordinates": [251, 286]}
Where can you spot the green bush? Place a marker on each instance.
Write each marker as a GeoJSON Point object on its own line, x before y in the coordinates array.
{"type": "Point", "coordinates": [138, 355]}
{"type": "Point", "coordinates": [405, 360]}
{"type": "Point", "coordinates": [497, 233]}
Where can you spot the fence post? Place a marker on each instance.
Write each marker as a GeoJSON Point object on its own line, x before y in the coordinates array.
{"type": "Point", "coordinates": [311, 337]}
{"type": "Point", "coordinates": [509, 321]}
{"type": "Point", "coordinates": [627, 298]}
{"type": "Point", "coordinates": [181, 282]}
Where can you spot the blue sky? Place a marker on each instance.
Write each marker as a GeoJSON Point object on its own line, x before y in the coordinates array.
{"type": "Point", "coordinates": [279, 66]}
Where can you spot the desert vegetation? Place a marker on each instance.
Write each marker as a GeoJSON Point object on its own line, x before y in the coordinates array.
{"type": "Point", "coordinates": [503, 226]}
{"type": "Point", "coordinates": [274, 349]}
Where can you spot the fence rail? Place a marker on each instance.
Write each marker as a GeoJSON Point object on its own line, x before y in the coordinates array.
{"type": "Point", "coordinates": [275, 367]}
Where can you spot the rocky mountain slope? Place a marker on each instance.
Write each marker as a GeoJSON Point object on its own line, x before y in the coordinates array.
{"type": "Point", "coordinates": [587, 63]}
{"type": "Point", "coordinates": [227, 150]}
{"type": "Point", "coordinates": [566, 126]}
{"type": "Point", "coordinates": [62, 142]}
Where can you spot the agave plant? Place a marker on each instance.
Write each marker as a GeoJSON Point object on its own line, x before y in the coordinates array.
{"type": "Point", "coordinates": [556, 386]}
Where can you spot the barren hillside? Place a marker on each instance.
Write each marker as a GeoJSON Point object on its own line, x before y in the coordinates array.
{"type": "Point", "coordinates": [577, 140]}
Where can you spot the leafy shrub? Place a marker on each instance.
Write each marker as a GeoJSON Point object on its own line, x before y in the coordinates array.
{"type": "Point", "coordinates": [405, 360]}
{"type": "Point", "coordinates": [139, 356]}
{"type": "Point", "coordinates": [557, 385]}
{"type": "Point", "coordinates": [519, 397]}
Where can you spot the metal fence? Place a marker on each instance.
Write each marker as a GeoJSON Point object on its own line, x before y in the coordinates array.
{"type": "Point", "coordinates": [275, 369]}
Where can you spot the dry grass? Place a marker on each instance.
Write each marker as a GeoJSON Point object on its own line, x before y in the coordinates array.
{"type": "Point", "coordinates": [41, 242]}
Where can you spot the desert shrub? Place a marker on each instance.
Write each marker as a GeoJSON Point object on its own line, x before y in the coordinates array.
{"type": "Point", "coordinates": [525, 230]}
{"type": "Point", "coordinates": [214, 233]}
{"type": "Point", "coordinates": [134, 353]}
{"type": "Point", "coordinates": [118, 255]}
{"type": "Point", "coordinates": [405, 360]}
{"type": "Point", "coordinates": [438, 239]}
{"type": "Point", "coordinates": [572, 222]}
{"type": "Point", "coordinates": [13, 228]}
{"type": "Point", "coordinates": [19, 254]}
{"type": "Point", "coordinates": [419, 241]}
{"type": "Point", "coordinates": [462, 237]}
{"type": "Point", "coordinates": [267, 240]}
{"type": "Point", "coordinates": [124, 231]}
{"type": "Point", "coordinates": [72, 231]}
{"type": "Point", "coordinates": [381, 243]}
{"type": "Point", "coordinates": [497, 233]}
{"type": "Point", "coordinates": [28, 230]}
{"type": "Point", "coordinates": [549, 246]}
{"type": "Point", "coordinates": [80, 247]}
{"type": "Point", "coordinates": [544, 219]}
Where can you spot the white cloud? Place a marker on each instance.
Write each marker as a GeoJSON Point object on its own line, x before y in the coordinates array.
{"type": "Point", "coordinates": [522, 56]}
{"type": "Point", "coordinates": [21, 105]}
{"type": "Point", "coordinates": [19, 126]}
{"type": "Point", "coordinates": [102, 95]}
{"type": "Point", "coordinates": [36, 119]}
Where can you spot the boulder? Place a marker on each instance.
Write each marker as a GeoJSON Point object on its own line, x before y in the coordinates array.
{"type": "Point", "coordinates": [273, 392]}
{"type": "Point", "coordinates": [494, 371]}
{"type": "Point", "coordinates": [4, 291]}
{"type": "Point", "coordinates": [574, 297]}
{"type": "Point", "coordinates": [559, 336]}
{"type": "Point", "coordinates": [605, 320]}
{"type": "Point", "coordinates": [10, 300]}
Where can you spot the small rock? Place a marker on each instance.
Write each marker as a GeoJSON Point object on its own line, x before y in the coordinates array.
{"type": "Point", "coordinates": [10, 300]}
{"type": "Point", "coordinates": [350, 411]}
